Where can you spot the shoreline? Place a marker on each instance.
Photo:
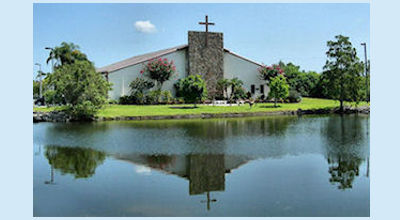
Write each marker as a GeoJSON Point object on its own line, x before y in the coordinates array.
{"type": "Point", "coordinates": [58, 116]}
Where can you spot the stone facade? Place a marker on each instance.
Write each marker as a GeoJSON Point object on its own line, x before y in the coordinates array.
{"type": "Point", "coordinates": [207, 61]}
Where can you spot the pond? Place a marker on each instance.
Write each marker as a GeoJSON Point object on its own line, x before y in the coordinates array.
{"type": "Point", "coordinates": [261, 166]}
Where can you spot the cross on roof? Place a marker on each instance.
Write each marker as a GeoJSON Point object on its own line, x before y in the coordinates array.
{"type": "Point", "coordinates": [206, 24]}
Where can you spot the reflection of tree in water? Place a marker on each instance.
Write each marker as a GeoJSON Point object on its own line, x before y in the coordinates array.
{"type": "Point", "coordinates": [79, 128]}
{"type": "Point", "coordinates": [159, 161]}
{"type": "Point", "coordinates": [344, 151]}
{"type": "Point", "coordinates": [224, 128]}
{"type": "Point", "coordinates": [81, 162]}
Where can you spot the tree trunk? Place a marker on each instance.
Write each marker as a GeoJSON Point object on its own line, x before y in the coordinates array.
{"type": "Point", "coordinates": [275, 102]}
{"type": "Point", "coordinates": [341, 106]}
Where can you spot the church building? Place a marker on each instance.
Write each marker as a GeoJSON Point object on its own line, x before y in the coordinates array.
{"type": "Point", "coordinates": [204, 54]}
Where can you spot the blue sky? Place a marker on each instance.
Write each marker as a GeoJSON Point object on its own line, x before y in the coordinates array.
{"type": "Point", "coordinates": [265, 33]}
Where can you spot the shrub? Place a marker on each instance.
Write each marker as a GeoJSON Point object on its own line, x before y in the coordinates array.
{"type": "Point", "coordinates": [112, 102]}
{"type": "Point", "coordinates": [179, 100]}
{"type": "Point", "coordinates": [166, 96]}
{"type": "Point", "coordinates": [126, 100]}
{"type": "Point", "coordinates": [293, 97]}
{"type": "Point", "coordinates": [140, 85]}
{"type": "Point", "coordinates": [239, 93]}
{"type": "Point", "coordinates": [260, 98]}
{"type": "Point", "coordinates": [84, 110]}
{"type": "Point", "coordinates": [154, 97]}
{"type": "Point", "coordinates": [192, 89]}
{"type": "Point", "coordinates": [139, 98]}
{"type": "Point", "coordinates": [77, 85]}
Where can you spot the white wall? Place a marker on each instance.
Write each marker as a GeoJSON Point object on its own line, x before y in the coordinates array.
{"type": "Point", "coordinates": [123, 77]}
{"type": "Point", "coordinates": [233, 67]}
{"type": "Point", "coordinates": [245, 71]}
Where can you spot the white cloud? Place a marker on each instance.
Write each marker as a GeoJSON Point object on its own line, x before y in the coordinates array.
{"type": "Point", "coordinates": [145, 27]}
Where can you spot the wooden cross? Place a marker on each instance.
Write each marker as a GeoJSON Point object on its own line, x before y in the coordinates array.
{"type": "Point", "coordinates": [206, 24]}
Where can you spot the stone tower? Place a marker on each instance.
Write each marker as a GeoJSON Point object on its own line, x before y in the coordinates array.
{"type": "Point", "coordinates": [206, 58]}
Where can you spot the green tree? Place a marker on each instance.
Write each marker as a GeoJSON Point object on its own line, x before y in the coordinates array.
{"type": "Point", "coordinates": [36, 89]}
{"type": "Point", "coordinates": [223, 85]}
{"type": "Point", "coordinates": [80, 87]}
{"type": "Point", "coordinates": [81, 162]}
{"type": "Point", "coordinates": [66, 53]}
{"type": "Point", "coordinates": [192, 89]}
{"type": "Point", "coordinates": [166, 96]}
{"type": "Point", "coordinates": [238, 91]}
{"type": "Point", "coordinates": [342, 71]}
{"type": "Point", "coordinates": [345, 148]}
{"type": "Point", "coordinates": [279, 89]}
{"type": "Point", "coordinates": [299, 80]}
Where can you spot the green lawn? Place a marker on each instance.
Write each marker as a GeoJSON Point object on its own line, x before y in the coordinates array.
{"type": "Point", "coordinates": [148, 110]}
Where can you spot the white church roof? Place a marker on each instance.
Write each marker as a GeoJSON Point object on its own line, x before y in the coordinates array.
{"type": "Point", "coordinates": [148, 56]}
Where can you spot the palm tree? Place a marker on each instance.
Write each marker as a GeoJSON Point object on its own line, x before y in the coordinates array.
{"type": "Point", "coordinates": [235, 83]}
{"type": "Point", "coordinates": [67, 53]}
{"type": "Point", "coordinates": [223, 84]}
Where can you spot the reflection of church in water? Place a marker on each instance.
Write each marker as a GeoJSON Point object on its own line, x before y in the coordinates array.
{"type": "Point", "coordinates": [205, 172]}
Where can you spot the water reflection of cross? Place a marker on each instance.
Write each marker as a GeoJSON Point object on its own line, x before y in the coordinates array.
{"type": "Point", "coordinates": [208, 200]}
{"type": "Point", "coordinates": [206, 24]}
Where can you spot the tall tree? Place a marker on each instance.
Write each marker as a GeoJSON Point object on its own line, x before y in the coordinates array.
{"type": "Point", "coordinates": [66, 53]}
{"type": "Point", "coordinates": [342, 71]}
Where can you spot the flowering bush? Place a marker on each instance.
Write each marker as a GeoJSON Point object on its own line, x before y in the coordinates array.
{"type": "Point", "coordinates": [269, 72]}
{"type": "Point", "coordinates": [159, 70]}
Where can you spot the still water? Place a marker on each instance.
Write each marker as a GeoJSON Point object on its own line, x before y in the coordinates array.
{"type": "Point", "coordinates": [264, 166]}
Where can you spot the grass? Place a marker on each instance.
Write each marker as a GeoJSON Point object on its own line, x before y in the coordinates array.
{"type": "Point", "coordinates": [47, 109]}
{"type": "Point", "coordinates": [150, 110]}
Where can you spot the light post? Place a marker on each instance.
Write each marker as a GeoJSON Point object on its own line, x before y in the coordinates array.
{"type": "Point", "coordinates": [52, 60]}
{"type": "Point", "coordinates": [40, 78]}
{"type": "Point", "coordinates": [366, 72]}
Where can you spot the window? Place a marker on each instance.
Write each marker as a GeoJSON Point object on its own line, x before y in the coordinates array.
{"type": "Point", "coordinates": [253, 89]}
{"type": "Point", "coordinates": [261, 88]}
